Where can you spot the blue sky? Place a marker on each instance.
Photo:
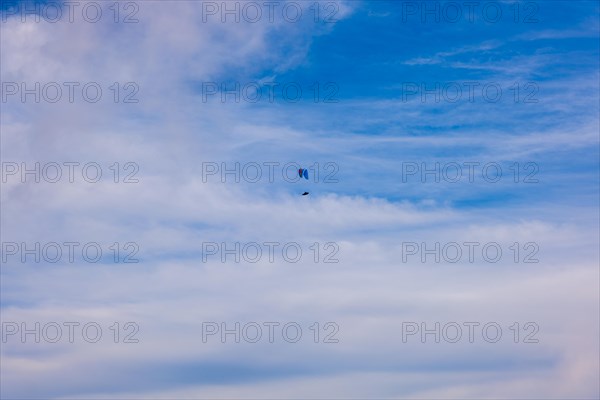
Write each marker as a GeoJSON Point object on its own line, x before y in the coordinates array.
{"type": "Point", "coordinates": [373, 61]}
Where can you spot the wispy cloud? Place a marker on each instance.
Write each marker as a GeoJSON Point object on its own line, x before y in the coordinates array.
{"type": "Point", "coordinates": [369, 134]}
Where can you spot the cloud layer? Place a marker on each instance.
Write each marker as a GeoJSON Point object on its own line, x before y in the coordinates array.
{"type": "Point", "coordinates": [367, 223]}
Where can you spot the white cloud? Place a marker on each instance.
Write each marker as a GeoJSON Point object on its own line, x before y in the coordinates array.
{"type": "Point", "coordinates": [171, 212]}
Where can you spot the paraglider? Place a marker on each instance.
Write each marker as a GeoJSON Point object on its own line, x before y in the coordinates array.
{"type": "Point", "coordinates": [303, 173]}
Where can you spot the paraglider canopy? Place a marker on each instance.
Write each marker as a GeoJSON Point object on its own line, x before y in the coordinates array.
{"type": "Point", "coordinates": [303, 173]}
{"type": "Point", "coordinates": [304, 194]}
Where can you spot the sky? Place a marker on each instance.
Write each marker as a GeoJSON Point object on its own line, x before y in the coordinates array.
{"type": "Point", "coordinates": [155, 240]}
